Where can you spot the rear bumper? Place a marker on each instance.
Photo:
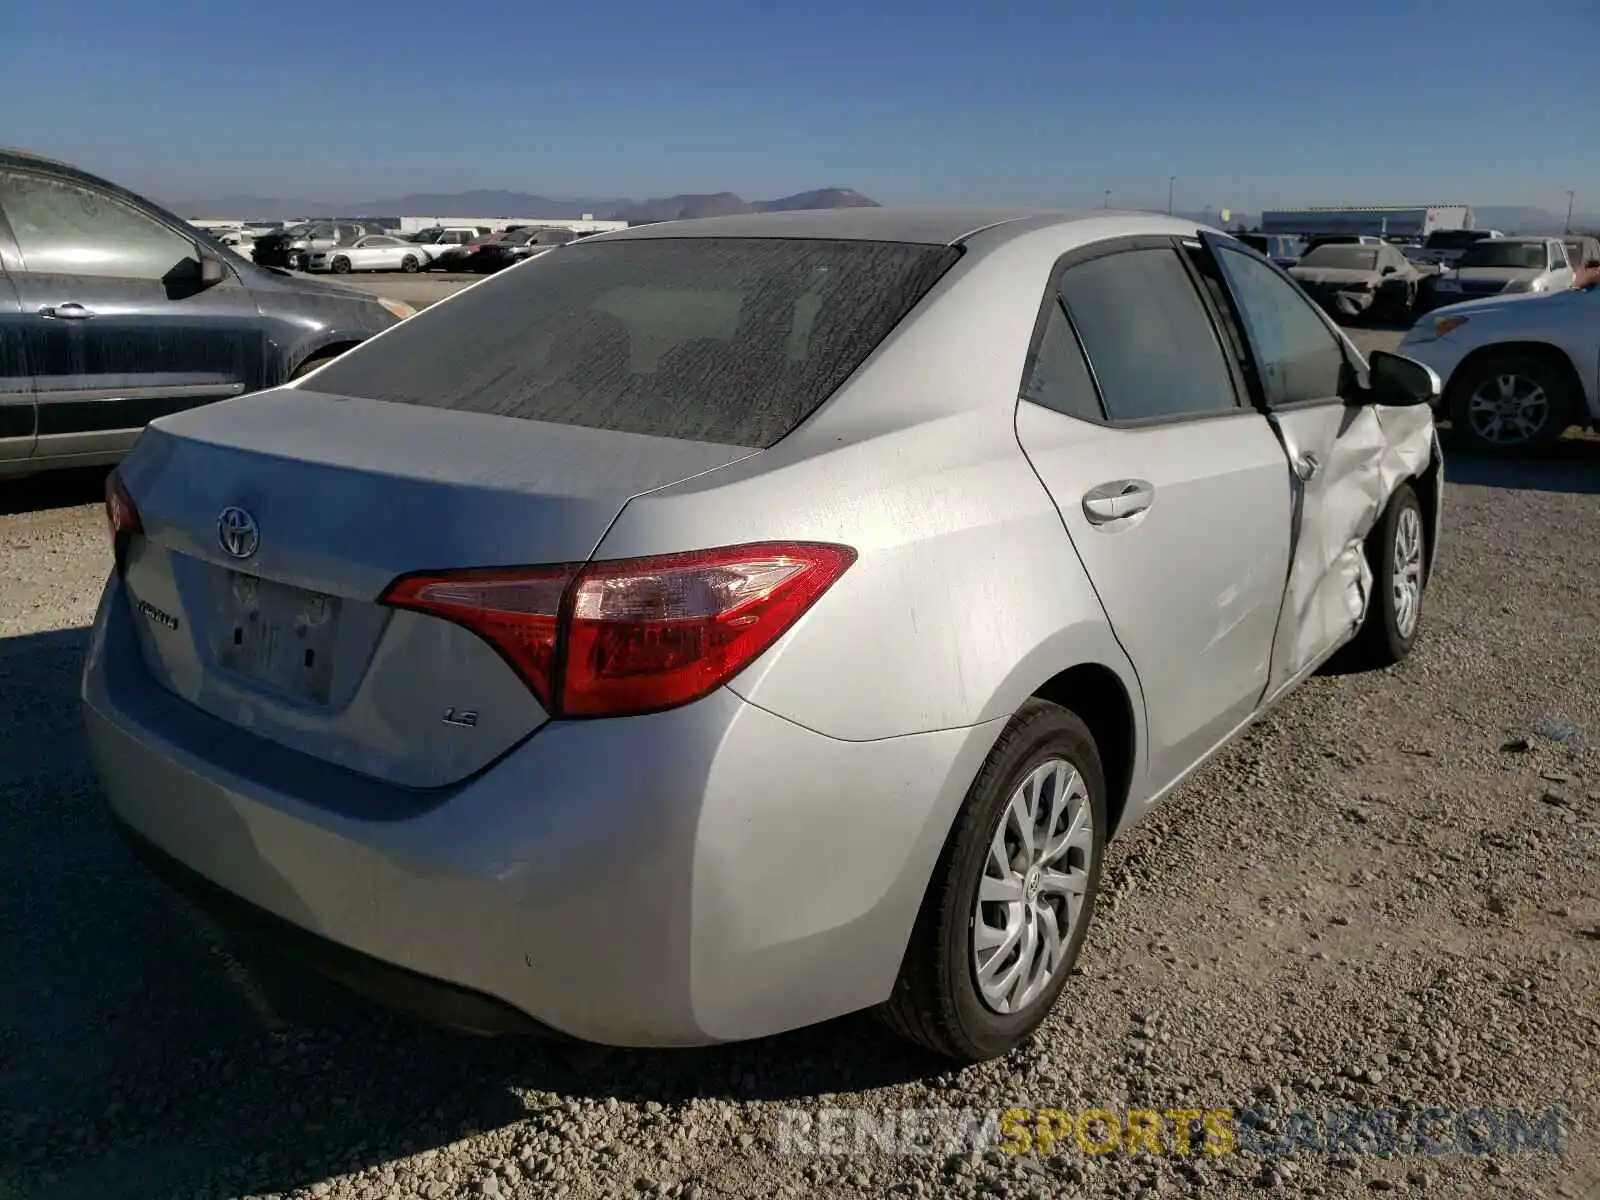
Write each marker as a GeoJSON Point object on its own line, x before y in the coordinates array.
{"type": "Point", "coordinates": [407, 991]}
{"type": "Point", "coordinates": [701, 875]}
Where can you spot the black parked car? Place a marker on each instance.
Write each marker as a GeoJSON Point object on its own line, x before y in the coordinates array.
{"type": "Point", "coordinates": [513, 246]}
{"type": "Point", "coordinates": [114, 312]}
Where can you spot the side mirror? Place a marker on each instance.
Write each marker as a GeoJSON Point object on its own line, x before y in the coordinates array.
{"type": "Point", "coordinates": [211, 268]}
{"type": "Point", "coordinates": [1395, 381]}
{"type": "Point", "coordinates": [1389, 270]}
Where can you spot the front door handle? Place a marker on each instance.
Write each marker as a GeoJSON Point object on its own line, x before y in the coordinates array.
{"type": "Point", "coordinates": [70, 311]}
{"type": "Point", "coordinates": [1116, 500]}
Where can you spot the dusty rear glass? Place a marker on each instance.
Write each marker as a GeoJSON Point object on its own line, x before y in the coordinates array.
{"type": "Point", "coordinates": [1342, 258]}
{"type": "Point", "coordinates": [729, 340]}
{"type": "Point", "coordinates": [1454, 239]}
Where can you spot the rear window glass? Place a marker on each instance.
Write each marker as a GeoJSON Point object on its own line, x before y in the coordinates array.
{"type": "Point", "coordinates": [1454, 239]}
{"type": "Point", "coordinates": [729, 340]}
{"type": "Point", "coordinates": [1342, 258]}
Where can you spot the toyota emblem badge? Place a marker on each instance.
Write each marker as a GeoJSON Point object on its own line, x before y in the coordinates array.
{"type": "Point", "coordinates": [237, 533]}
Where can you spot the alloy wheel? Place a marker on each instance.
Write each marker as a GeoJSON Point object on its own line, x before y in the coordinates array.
{"type": "Point", "coordinates": [1407, 574]}
{"type": "Point", "coordinates": [1508, 409]}
{"type": "Point", "coordinates": [1031, 895]}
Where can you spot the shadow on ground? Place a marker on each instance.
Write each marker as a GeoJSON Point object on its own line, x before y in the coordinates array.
{"type": "Point", "coordinates": [1569, 465]}
{"type": "Point", "coordinates": [144, 1053]}
{"type": "Point", "coordinates": [54, 489]}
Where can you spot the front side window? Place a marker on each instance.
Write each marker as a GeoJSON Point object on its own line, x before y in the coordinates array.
{"type": "Point", "coordinates": [1299, 357]}
{"type": "Point", "coordinates": [1148, 336]}
{"type": "Point", "coordinates": [67, 229]}
{"type": "Point", "coordinates": [727, 340]}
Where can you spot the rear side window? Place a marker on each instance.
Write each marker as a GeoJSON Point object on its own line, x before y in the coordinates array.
{"type": "Point", "coordinates": [729, 340]}
{"type": "Point", "coordinates": [1148, 336]}
{"type": "Point", "coordinates": [1058, 376]}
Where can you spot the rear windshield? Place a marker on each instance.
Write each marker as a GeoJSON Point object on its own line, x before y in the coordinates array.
{"type": "Point", "coordinates": [1342, 258]}
{"type": "Point", "coordinates": [1454, 239]}
{"type": "Point", "coordinates": [728, 340]}
{"type": "Point", "coordinates": [1523, 255]}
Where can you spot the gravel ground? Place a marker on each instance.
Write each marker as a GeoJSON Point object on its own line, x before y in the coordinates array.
{"type": "Point", "coordinates": [1386, 897]}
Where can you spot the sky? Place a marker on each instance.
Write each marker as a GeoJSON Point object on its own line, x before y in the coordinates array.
{"type": "Point", "coordinates": [1247, 104]}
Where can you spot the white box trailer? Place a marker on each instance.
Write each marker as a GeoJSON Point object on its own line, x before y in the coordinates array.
{"type": "Point", "coordinates": [1413, 221]}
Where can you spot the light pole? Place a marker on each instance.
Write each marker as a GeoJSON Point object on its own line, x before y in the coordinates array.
{"type": "Point", "coordinates": [1568, 227]}
{"type": "Point", "coordinates": [1106, 203]}
{"type": "Point", "coordinates": [1171, 182]}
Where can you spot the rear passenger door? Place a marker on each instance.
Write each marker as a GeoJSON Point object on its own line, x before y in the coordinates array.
{"type": "Point", "coordinates": [1303, 370]}
{"type": "Point", "coordinates": [1174, 490]}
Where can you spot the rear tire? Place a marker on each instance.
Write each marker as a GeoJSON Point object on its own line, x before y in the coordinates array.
{"type": "Point", "coordinates": [1510, 403]}
{"type": "Point", "coordinates": [938, 1000]}
{"type": "Point", "coordinates": [409, 264]}
{"type": "Point", "coordinates": [341, 265]}
{"type": "Point", "coordinates": [311, 364]}
{"type": "Point", "coordinates": [1397, 552]}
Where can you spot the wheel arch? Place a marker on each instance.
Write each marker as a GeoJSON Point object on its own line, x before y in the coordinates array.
{"type": "Point", "coordinates": [1428, 486]}
{"type": "Point", "coordinates": [1532, 348]}
{"type": "Point", "coordinates": [322, 352]}
{"type": "Point", "coordinates": [1098, 696]}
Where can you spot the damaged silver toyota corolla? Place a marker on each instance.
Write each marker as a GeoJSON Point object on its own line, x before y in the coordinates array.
{"type": "Point", "coordinates": [723, 625]}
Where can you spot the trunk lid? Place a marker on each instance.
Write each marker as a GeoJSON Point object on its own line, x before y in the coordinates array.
{"type": "Point", "coordinates": [343, 495]}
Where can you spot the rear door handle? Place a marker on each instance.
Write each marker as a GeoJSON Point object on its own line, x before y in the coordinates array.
{"type": "Point", "coordinates": [1116, 500]}
{"type": "Point", "coordinates": [70, 311]}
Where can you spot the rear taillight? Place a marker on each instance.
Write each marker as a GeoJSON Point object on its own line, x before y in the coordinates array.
{"type": "Point", "coordinates": [633, 635]}
{"type": "Point", "coordinates": [122, 517]}
{"type": "Point", "coordinates": [516, 612]}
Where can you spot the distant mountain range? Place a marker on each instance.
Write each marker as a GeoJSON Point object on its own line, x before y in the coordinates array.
{"type": "Point", "coordinates": [713, 204]}
{"type": "Point", "coordinates": [520, 204]}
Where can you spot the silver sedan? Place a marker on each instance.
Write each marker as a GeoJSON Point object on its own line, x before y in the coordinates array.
{"type": "Point", "coordinates": [748, 620]}
{"type": "Point", "coordinates": [374, 252]}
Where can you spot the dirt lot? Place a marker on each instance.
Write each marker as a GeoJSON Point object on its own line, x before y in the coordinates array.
{"type": "Point", "coordinates": [1387, 897]}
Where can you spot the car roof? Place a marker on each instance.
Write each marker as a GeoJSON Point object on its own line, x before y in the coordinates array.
{"type": "Point", "coordinates": [930, 225]}
{"type": "Point", "coordinates": [16, 156]}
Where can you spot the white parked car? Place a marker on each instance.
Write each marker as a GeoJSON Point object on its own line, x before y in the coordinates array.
{"type": "Point", "coordinates": [374, 252]}
{"type": "Point", "coordinates": [1518, 371]}
{"type": "Point", "coordinates": [1506, 265]}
